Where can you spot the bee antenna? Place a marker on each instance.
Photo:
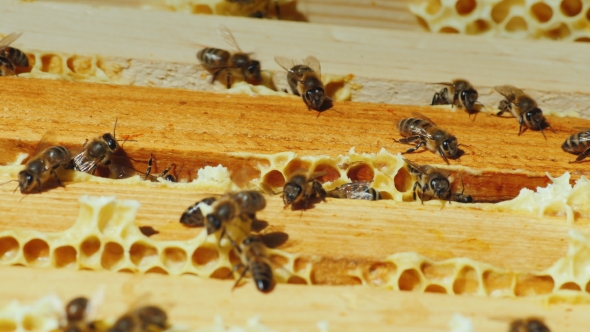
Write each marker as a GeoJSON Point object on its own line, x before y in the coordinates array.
{"type": "Point", "coordinates": [115, 128]}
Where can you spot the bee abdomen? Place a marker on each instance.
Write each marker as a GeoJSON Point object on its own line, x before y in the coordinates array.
{"type": "Point", "coordinates": [409, 126]}
{"type": "Point", "coordinates": [17, 57]}
{"type": "Point", "coordinates": [213, 57]}
{"type": "Point", "coordinates": [262, 275]}
{"type": "Point", "coordinates": [577, 143]}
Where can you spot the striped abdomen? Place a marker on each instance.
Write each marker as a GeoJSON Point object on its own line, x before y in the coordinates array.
{"type": "Point", "coordinates": [57, 156]}
{"type": "Point", "coordinates": [6, 67]}
{"type": "Point", "coordinates": [577, 143]}
{"type": "Point", "coordinates": [261, 273]}
{"type": "Point", "coordinates": [413, 126]}
{"type": "Point", "coordinates": [16, 56]}
{"type": "Point", "coordinates": [214, 57]}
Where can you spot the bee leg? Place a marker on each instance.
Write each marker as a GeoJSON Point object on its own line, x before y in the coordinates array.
{"type": "Point", "coordinates": [39, 185]}
{"type": "Point", "coordinates": [277, 9]}
{"type": "Point", "coordinates": [57, 178]}
{"type": "Point", "coordinates": [410, 150]}
{"type": "Point", "coordinates": [221, 236]}
{"type": "Point", "coordinates": [520, 126]}
{"type": "Point", "coordinates": [582, 156]}
{"type": "Point", "coordinates": [246, 268]}
{"type": "Point", "coordinates": [414, 189]}
{"type": "Point", "coordinates": [422, 195]}
{"type": "Point", "coordinates": [215, 74]}
{"type": "Point", "coordinates": [440, 151]}
{"type": "Point", "coordinates": [504, 106]}
{"type": "Point", "coordinates": [440, 98]}
{"type": "Point", "coordinates": [228, 79]}
{"type": "Point", "coordinates": [149, 167]}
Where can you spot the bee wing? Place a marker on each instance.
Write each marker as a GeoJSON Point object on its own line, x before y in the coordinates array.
{"type": "Point", "coordinates": [118, 171]}
{"type": "Point", "coordinates": [509, 91]}
{"type": "Point", "coordinates": [6, 41]}
{"type": "Point", "coordinates": [286, 63]}
{"type": "Point", "coordinates": [83, 164]}
{"type": "Point", "coordinates": [316, 175]}
{"type": "Point", "coordinates": [313, 63]}
{"type": "Point", "coordinates": [443, 83]}
{"type": "Point", "coordinates": [228, 37]}
{"type": "Point", "coordinates": [50, 138]}
{"type": "Point", "coordinates": [415, 168]}
{"type": "Point", "coordinates": [423, 117]}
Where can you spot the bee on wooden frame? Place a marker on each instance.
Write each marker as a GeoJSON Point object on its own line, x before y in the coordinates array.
{"type": "Point", "coordinates": [522, 107]}
{"type": "Point", "coordinates": [11, 57]}
{"type": "Point", "coordinates": [142, 318]}
{"type": "Point", "coordinates": [300, 188]}
{"type": "Point", "coordinates": [422, 131]}
{"type": "Point", "coordinates": [578, 143]}
{"type": "Point", "coordinates": [431, 181]}
{"type": "Point", "coordinates": [305, 80]}
{"type": "Point", "coordinates": [166, 174]}
{"type": "Point", "coordinates": [236, 65]}
{"type": "Point", "coordinates": [355, 190]}
{"type": "Point", "coordinates": [528, 325]}
{"type": "Point", "coordinates": [255, 259]}
{"type": "Point", "coordinates": [458, 93]}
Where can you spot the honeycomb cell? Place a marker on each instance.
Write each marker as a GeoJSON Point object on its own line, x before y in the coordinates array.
{"type": "Point", "coordinates": [588, 287]}
{"type": "Point", "coordinates": [361, 172]}
{"type": "Point", "coordinates": [300, 264]}
{"type": "Point", "coordinates": [142, 253]}
{"type": "Point", "coordinates": [244, 175]}
{"type": "Point", "coordinates": [222, 273]}
{"type": "Point", "coordinates": [516, 23]}
{"type": "Point", "coordinates": [403, 181]}
{"type": "Point", "coordinates": [111, 68]}
{"type": "Point", "coordinates": [561, 32]}
{"type": "Point", "coordinates": [438, 272]}
{"type": "Point", "coordinates": [80, 64]}
{"type": "Point", "coordinates": [202, 9]}
{"type": "Point", "coordinates": [157, 270]}
{"type": "Point", "coordinates": [294, 165]}
{"type": "Point", "coordinates": [278, 260]}
{"type": "Point", "coordinates": [112, 255]}
{"type": "Point", "coordinates": [32, 323]}
{"type": "Point", "coordinates": [332, 174]}
{"type": "Point", "coordinates": [90, 247]}
{"type": "Point", "coordinates": [477, 27]}
{"type": "Point", "coordinates": [542, 12]}
{"type": "Point", "coordinates": [51, 63]}
{"type": "Point", "coordinates": [571, 7]}
{"type": "Point", "coordinates": [571, 286]}
{"type": "Point", "coordinates": [529, 285]}
{"type": "Point", "coordinates": [126, 270]}
{"type": "Point", "coordinates": [448, 30]}
{"type": "Point", "coordinates": [36, 252]}
{"type": "Point", "coordinates": [466, 281]}
{"type": "Point", "coordinates": [433, 288]}
{"type": "Point", "coordinates": [297, 280]}
{"type": "Point", "coordinates": [588, 14]}
{"type": "Point", "coordinates": [65, 256]}
{"type": "Point", "coordinates": [7, 325]}
{"type": "Point", "coordinates": [433, 6]}
{"type": "Point", "coordinates": [205, 255]}
{"type": "Point", "coordinates": [423, 23]}
{"type": "Point", "coordinates": [583, 39]}
{"type": "Point", "coordinates": [497, 283]}
{"type": "Point", "coordinates": [9, 248]}
{"type": "Point", "coordinates": [379, 273]}
{"type": "Point", "coordinates": [409, 280]}
{"type": "Point", "coordinates": [274, 179]}
{"type": "Point", "coordinates": [502, 9]}
{"type": "Point", "coordinates": [465, 7]}
{"type": "Point", "coordinates": [334, 90]}
{"type": "Point", "coordinates": [174, 258]}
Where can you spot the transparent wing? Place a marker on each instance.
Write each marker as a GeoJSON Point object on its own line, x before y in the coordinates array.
{"type": "Point", "coordinates": [313, 63]}
{"type": "Point", "coordinates": [584, 136]}
{"type": "Point", "coordinates": [415, 168]}
{"type": "Point", "coordinates": [442, 83]}
{"type": "Point", "coordinates": [48, 139]}
{"type": "Point", "coordinates": [228, 37]}
{"type": "Point", "coordinates": [423, 117]}
{"type": "Point", "coordinates": [286, 63]}
{"type": "Point", "coordinates": [357, 190]}
{"type": "Point", "coordinates": [316, 175]}
{"type": "Point", "coordinates": [6, 41]}
{"type": "Point", "coordinates": [118, 171]}
{"type": "Point", "coordinates": [509, 91]}
{"type": "Point", "coordinates": [83, 164]}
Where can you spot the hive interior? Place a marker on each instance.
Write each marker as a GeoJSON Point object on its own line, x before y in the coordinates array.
{"type": "Point", "coordinates": [562, 19]}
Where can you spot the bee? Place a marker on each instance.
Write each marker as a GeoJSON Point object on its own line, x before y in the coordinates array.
{"type": "Point", "coordinates": [256, 8]}
{"type": "Point", "coordinates": [38, 168]}
{"type": "Point", "coordinates": [579, 144]}
{"type": "Point", "coordinates": [356, 190]}
{"type": "Point", "coordinates": [241, 205]}
{"type": "Point", "coordinates": [11, 57]}
{"type": "Point", "coordinates": [144, 318]}
{"type": "Point", "coordinates": [76, 315]}
{"type": "Point", "coordinates": [522, 107]}
{"type": "Point", "coordinates": [431, 181]}
{"type": "Point", "coordinates": [238, 64]}
{"type": "Point", "coordinates": [254, 258]}
{"type": "Point", "coordinates": [423, 131]}
{"type": "Point", "coordinates": [166, 175]}
{"type": "Point", "coordinates": [458, 93]}
{"type": "Point", "coordinates": [301, 188]}
{"type": "Point", "coordinates": [528, 325]}
{"type": "Point", "coordinates": [305, 80]}
{"type": "Point", "coordinates": [462, 197]}
{"type": "Point", "coordinates": [96, 152]}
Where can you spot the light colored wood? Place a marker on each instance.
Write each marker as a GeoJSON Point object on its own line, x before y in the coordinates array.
{"type": "Point", "coordinates": [194, 302]}
{"type": "Point", "coordinates": [381, 54]}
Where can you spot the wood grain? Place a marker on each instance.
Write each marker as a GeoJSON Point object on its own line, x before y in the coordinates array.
{"type": "Point", "coordinates": [194, 302]}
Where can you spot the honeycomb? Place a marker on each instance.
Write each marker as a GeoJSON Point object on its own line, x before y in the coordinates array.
{"type": "Point", "coordinates": [104, 236]}
{"type": "Point", "coordinates": [555, 19]}
{"type": "Point", "coordinates": [220, 7]}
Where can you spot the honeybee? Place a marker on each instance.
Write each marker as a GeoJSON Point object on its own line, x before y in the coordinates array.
{"type": "Point", "coordinates": [11, 57]}
{"type": "Point", "coordinates": [144, 318]}
{"type": "Point", "coordinates": [38, 168]}
{"type": "Point", "coordinates": [305, 80]}
{"type": "Point", "coordinates": [355, 190]}
{"type": "Point", "coordinates": [96, 152]}
{"type": "Point", "coordinates": [256, 8]}
{"type": "Point", "coordinates": [237, 64]}
{"type": "Point", "coordinates": [522, 107]}
{"type": "Point", "coordinates": [462, 197]}
{"type": "Point", "coordinates": [458, 93]}
{"type": "Point", "coordinates": [166, 174]}
{"type": "Point", "coordinates": [423, 131]}
{"type": "Point", "coordinates": [301, 188]}
{"type": "Point", "coordinates": [528, 325]}
{"type": "Point", "coordinates": [431, 181]}
{"type": "Point", "coordinates": [254, 258]}
{"type": "Point", "coordinates": [579, 144]}
{"type": "Point", "coordinates": [241, 205]}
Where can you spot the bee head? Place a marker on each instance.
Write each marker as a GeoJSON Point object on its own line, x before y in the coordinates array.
{"type": "Point", "coordinates": [463, 198]}
{"type": "Point", "coordinates": [170, 178]}
{"type": "Point", "coordinates": [315, 98]}
{"type": "Point", "coordinates": [290, 193]}
{"type": "Point", "coordinates": [25, 181]}
{"type": "Point", "coordinates": [76, 309]}
{"type": "Point", "coordinates": [440, 186]}
{"type": "Point", "coordinates": [111, 142]}
{"type": "Point", "coordinates": [535, 118]}
{"type": "Point", "coordinates": [223, 212]}
{"type": "Point", "coordinates": [450, 147]}
{"type": "Point", "coordinates": [469, 97]}
{"type": "Point", "coordinates": [152, 315]}
{"type": "Point", "coordinates": [252, 71]}
{"type": "Point", "coordinates": [251, 239]}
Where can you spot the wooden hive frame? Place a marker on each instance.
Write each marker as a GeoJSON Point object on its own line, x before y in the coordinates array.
{"type": "Point", "coordinates": [375, 230]}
